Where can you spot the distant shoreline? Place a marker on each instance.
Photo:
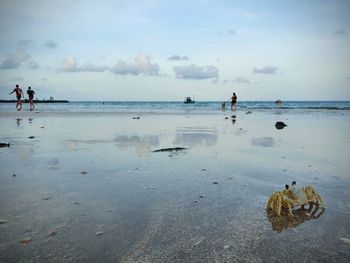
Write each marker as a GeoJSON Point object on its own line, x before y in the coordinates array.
{"type": "Point", "coordinates": [35, 101]}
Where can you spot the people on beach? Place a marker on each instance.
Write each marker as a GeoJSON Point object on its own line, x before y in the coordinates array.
{"type": "Point", "coordinates": [223, 106]}
{"type": "Point", "coordinates": [19, 94]}
{"type": "Point", "coordinates": [233, 101]}
{"type": "Point", "coordinates": [31, 93]}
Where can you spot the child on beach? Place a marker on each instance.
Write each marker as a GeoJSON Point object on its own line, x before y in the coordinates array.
{"type": "Point", "coordinates": [19, 94]}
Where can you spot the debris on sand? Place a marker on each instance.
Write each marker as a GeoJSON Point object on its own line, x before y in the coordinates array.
{"type": "Point", "coordinates": [26, 240]}
{"type": "Point", "coordinates": [346, 240]}
{"type": "Point", "coordinates": [3, 144]}
{"type": "Point", "coordinates": [280, 125]}
{"type": "Point", "coordinates": [52, 233]}
{"type": "Point", "coordinates": [31, 137]}
{"type": "Point", "coordinates": [170, 149]}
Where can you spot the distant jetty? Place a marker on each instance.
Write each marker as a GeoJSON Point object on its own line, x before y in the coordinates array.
{"type": "Point", "coordinates": [35, 101]}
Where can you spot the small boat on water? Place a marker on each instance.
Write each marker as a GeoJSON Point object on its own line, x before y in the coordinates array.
{"type": "Point", "coordinates": [189, 100]}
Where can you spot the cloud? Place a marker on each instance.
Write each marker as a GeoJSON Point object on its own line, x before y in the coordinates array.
{"type": "Point", "coordinates": [51, 44]}
{"type": "Point", "coordinates": [242, 80]}
{"type": "Point", "coordinates": [70, 64]}
{"type": "Point", "coordinates": [92, 67]}
{"type": "Point", "coordinates": [265, 70]}
{"type": "Point", "coordinates": [14, 60]}
{"type": "Point", "coordinates": [177, 57]}
{"type": "Point", "coordinates": [33, 65]}
{"type": "Point", "coordinates": [230, 32]}
{"type": "Point", "coordinates": [24, 42]}
{"type": "Point", "coordinates": [142, 65]}
{"type": "Point", "coordinates": [196, 72]}
{"type": "Point", "coordinates": [340, 31]}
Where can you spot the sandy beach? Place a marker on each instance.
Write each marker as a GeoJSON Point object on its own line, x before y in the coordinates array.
{"type": "Point", "coordinates": [87, 187]}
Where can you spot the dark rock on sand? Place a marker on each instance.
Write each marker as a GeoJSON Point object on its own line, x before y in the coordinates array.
{"type": "Point", "coordinates": [45, 198]}
{"type": "Point", "coordinates": [3, 221]}
{"type": "Point", "coordinates": [26, 240]}
{"type": "Point", "coordinates": [83, 172]}
{"type": "Point", "coordinates": [136, 118]}
{"type": "Point", "coordinates": [99, 233]}
{"type": "Point", "coordinates": [170, 149]}
{"type": "Point", "coordinates": [3, 144]}
{"type": "Point", "coordinates": [31, 137]}
{"type": "Point", "coordinates": [215, 182]}
{"type": "Point", "coordinates": [280, 125]}
{"type": "Point", "coordinates": [248, 112]}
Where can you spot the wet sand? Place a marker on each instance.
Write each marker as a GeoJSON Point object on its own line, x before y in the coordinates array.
{"type": "Point", "coordinates": [93, 179]}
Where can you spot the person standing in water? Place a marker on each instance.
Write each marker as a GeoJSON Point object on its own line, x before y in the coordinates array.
{"type": "Point", "coordinates": [19, 94]}
{"type": "Point", "coordinates": [30, 93]}
{"type": "Point", "coordinates": [233, 101]}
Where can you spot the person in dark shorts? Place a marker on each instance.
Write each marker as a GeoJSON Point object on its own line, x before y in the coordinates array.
{"type": "Point", "coordinates": [30, 93]}
{"type": "Point", "coordinates": [233, 101]}
{"type": "Point", "coordinates": [19, 94]}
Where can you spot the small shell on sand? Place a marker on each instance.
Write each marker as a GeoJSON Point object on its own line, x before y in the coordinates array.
{"type": "Point", "coordinates": [26, 240]}
{"type": "Point", "coordinates": [346, 240]}
{"type": "Point", "coordinates": [52, 233]}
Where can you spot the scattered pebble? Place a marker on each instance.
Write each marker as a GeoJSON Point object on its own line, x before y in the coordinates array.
{"type": "Point", "coordinates": [248, 112]}
{"type": "Point", "coordinates": [109, 210]}
{"type": "Point", "coordinates": [52, 233]}
{"type": "Point", "coordinates": [170, 155]}
{"type": "Point", "coordinates": [136, 118]}
{"type": "Point", "coordinates": [46, 198]}
{"type": "Point", "coordinates": [76, 203]}
{"type": "Point", "coordinates": [42, 127]}
{"type": "Point", "coordinates": [26, 240]}
{"type": "Point", "coordinates": [215, 182]}
{"type": "Point", "coordinates": [346, 240]}
{"type": "Point", "coordinates": [195, 201]}
{"type": "Point", "coordinates": [201, 196]}
{"type": "Point", "coordinates": [14, 175]}
{"type": "Point", "coordinates": [203, 169]}
{"type": "Point", "coordinates": [99, 233]}
{"type": "Point", "coordinates": [83, 172]}
{"type": "Point", "coordinates": [3, 221]}
{"type": "Point", "coordinates": [226, 247]}
{"type": "Point", "coordinates": [31, 137]}
{"type": "Point", "coordinates": [226, 118]}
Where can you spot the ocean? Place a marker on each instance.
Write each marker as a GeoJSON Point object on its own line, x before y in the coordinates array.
{"type": "Point", "coordinates": [171, 106]}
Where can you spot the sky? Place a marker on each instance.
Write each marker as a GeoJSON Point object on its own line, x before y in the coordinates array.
{"type": "Point", "coordinates": [153, 50]}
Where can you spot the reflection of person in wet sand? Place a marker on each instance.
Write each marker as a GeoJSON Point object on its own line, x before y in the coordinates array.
{"type": "Point", "coordinates": [30, 93]}
{"type": "Point", "coordinates": [19, 94]}
{"type": "Point", "coordinates": [223, 106]}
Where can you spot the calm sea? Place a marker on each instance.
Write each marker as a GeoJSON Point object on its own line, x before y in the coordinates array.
{"type": "Point", "coordinates": [167, 106]}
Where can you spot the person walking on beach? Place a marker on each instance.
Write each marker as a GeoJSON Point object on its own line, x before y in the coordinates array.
{"type": "Point", "coordinates": [233, 101]}
{"type": "Point", "coordinates": [31, 93]}
{"type": "Point", "coordinates": [19, 94]}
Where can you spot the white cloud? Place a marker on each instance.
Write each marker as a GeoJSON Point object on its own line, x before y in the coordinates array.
{"type": "Point", "coordinates": [14, 60]}
{"type": "Point", "coordinates": [51, 44]}
{"type": "Point", "coordinates": [177, 57]}
{"type": "Point", "coordinates": [265, 70]}
{"type": "Point", "coordinates": [92, 67]}
{"type": "Point", "coordinates": [196, 72]}
{"type": "Point", "coordinates": [242, 80]}
{"type": "Point", "coordinates": [142, 65]}
{"type": "Point", "coordinates": [33, 64]}
{"type": "Point", "coordinates": [69, 64]}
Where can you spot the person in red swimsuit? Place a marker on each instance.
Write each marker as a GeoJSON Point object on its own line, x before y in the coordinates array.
{"type": "Point", "coordinates": [19, 94]}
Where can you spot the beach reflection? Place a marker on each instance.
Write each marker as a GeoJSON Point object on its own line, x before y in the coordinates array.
{"type": "Point", "coordinates": [194, 136]}
{"type": "Point", "coordinates": [142, 144]}
{"type": "Point", "coordinates": [283, 222]}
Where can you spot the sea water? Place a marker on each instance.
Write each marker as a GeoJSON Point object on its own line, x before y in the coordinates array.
{"type": "Point", "coordinates": [173, 106]}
